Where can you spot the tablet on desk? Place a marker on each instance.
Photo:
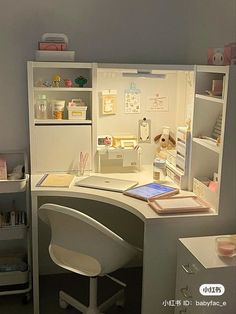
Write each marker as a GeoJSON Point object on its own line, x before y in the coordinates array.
{"type": "Point", "coordinates": [151, 190]}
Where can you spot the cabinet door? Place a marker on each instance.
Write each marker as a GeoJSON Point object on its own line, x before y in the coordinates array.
{"type": "Point", "coordinates": [57, 148]}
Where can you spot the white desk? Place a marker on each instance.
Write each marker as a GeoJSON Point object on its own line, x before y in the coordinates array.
{"type": "Point", "coordinates": [160, 237]}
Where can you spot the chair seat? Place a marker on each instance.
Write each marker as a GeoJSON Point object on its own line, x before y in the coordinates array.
{"type": "Point", "coordinates": [74, 261]}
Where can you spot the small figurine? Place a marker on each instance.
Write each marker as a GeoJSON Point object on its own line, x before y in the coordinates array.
{"type": "Point", "coordinates": [56, 81]}
{"type": "Point", "coordinates": [81, 81]}
{"type": "Point", "coordinates": [47, 84]}
{"type": "Point", "coordinates": [68, 83]}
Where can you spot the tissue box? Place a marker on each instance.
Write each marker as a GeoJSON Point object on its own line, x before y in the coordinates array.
{"type": "Point", "coordinates": [230, 54]}
{"type": "Point", "coordinates": [215, 56]}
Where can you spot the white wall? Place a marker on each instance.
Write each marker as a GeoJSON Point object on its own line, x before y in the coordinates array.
{"type": "Point", "coordinates": [133, 31]}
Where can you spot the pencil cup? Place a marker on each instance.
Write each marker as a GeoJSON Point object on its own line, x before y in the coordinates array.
{"type": "Point", "coordinates": [81, 172]}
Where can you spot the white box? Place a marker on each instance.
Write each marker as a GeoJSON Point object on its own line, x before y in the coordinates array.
{"type": "Point", "coordinates": [46, 55]}
{"type": "Point", "coordinates": [77, 112]}
{"type": "Point", "coordinates": [203, 191]}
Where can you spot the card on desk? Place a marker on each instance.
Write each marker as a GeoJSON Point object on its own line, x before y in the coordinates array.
{"type": "Point", "coordinates": [62, 180]}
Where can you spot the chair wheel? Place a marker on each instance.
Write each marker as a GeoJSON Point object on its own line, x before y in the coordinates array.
{"type": "Point", "coordinates": [27, 298]}
{"type": "Point", "coordinates": [120, 303]}
{"type": "Point", "coordinates": [63, 304]}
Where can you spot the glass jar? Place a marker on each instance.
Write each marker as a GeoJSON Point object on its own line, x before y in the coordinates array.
{"type": "Point", "coordinates": [159, 170]}
{"type": "Point", "coordinates": [41, 109]}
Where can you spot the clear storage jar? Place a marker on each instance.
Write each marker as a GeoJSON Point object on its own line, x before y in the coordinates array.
{"type": "Point", "coordinates": [159, 170]}
{"type": "Point", "coordinates": [41, 107]}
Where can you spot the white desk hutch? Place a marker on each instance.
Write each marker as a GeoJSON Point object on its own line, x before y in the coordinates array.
{"type": "Point", "coordinates": [55, 145]}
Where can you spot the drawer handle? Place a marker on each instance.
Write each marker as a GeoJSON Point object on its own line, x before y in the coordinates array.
{"type": "Point", "coordinates": [187, 268]}
{"type": "Point", "coordinates": [185, 292]}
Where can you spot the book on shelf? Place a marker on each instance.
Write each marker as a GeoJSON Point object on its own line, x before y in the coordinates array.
{"type": "Point", "coordinates": [61, 180]}
{"type": "Point", "coordinates": [3, 169]}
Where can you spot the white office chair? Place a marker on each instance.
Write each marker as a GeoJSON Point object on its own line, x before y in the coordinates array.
{"type": "Point", "coordinates": [84, 246]}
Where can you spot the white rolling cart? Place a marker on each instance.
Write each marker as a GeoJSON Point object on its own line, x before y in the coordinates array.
{"type": "Point", "coordinates": [15, 232]}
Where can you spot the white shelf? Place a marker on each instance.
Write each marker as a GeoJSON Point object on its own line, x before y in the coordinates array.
{"type": "Point", "coordinates": [217, 99]}
{"type": "Point", "coordinates": [60, 122]}
{"type": "Point", "coordinates": [13, 232]}
{"type": "Point", "coordinates": [13, 186]}
{"type": "Point", "coordinates": [13, 278]}
{"type": "Point", "coordinates": [62, 89]}
{"type": "Point", "coordinates": [207, 143]}
{"type": "Point", "coordinates": [69, 65]}
{"type": "Point", "coordinates": [213, 69]}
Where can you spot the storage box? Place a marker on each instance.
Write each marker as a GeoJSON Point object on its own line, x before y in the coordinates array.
{"type": "Point", "coordinates": [203, 191]}
{"type": "Point", "coordinates": [76, 111]}
{"type": "Point", "coordinates": [45, 55]}
{"type": "Point", "coordinates": [117, 140]}
{"type": "Point", "coordinates": [52, 46]}
{"type": "Point", "coordinates": [230, 54]}
{"type": "Point", "coordinates": [14, 278]}
{"type": "Point", "coordinates": [12, 186]}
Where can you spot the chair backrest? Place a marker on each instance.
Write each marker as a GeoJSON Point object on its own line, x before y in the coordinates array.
{"type": "Point", "coordinates": [83, 245]}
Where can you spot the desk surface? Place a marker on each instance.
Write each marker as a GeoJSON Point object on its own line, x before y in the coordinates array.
{"type": "Point", "coordinates": [204, 249]}
{"type": "Point", "coordinates": [135, 206]}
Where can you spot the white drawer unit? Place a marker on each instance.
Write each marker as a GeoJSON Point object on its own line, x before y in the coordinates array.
{"type": "Point", "coordinates": [179, 169]}
{"type": "Point", "coordinates": [199, 264]}
{"type": "Point", "coordinates": [181, 148]}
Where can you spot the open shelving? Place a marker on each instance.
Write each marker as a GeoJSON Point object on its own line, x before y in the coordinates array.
{"type": "Point", "coordinates": [209, 155]}
{"type": "Point", "coordinates": [61, 139]}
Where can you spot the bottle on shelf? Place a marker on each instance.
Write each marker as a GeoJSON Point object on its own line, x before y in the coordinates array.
{"type": "Point", "coordinates": [159, 170]}
{"type": "Point", "coordinates": [41, 107]}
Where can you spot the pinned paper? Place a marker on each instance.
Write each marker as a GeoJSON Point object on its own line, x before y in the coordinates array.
{"type": "Point", "coordinates": [109, 101]}
{"type": "Point", "coordinates": [158, 103]}
{"type": "Point", "coordinates": [132, 99]}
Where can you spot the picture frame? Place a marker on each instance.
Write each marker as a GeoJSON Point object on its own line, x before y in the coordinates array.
{"type": "Point", "coordinates": [109, 102]}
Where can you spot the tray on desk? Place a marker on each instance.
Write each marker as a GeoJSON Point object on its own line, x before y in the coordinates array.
{"type": "Point", "coordinates": [181, 204]}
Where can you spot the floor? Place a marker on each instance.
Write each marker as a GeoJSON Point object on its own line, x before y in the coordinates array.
{"type": "Point", "coordinates": [77, 286]}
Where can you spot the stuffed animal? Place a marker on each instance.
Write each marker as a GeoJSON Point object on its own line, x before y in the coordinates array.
{"type": "Point", "coordinates": [165, 142]}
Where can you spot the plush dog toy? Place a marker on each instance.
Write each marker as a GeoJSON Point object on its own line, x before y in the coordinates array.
{"type": "Point", "coordinates": [165, 142]}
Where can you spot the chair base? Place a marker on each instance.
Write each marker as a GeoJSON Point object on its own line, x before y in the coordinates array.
{"type": "Point", "coordinates": [65, 300]}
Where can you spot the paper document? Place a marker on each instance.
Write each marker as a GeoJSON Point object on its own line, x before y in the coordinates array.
{"type": "Point", "coordinates": [56, 180]}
